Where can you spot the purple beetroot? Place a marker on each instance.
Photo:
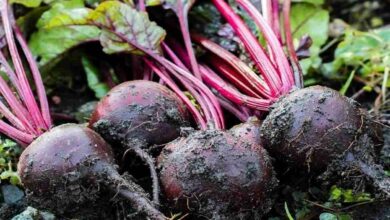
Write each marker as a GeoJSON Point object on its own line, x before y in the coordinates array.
{"type": "Point", "coordinates": [218, 175]}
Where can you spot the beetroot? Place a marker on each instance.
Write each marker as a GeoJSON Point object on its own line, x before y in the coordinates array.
{"type": "Point", "coordinates": [70, 170]}
{"type": "Point", "coordinates": [317, 129]}
{"type": "Point", "coordinates": [139, 113]}
{"type": "Point", "coordinates": [217, 175]}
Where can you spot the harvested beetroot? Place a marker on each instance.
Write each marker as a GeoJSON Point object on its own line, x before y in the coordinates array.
{"type": "Point", "coordinates": [318, 129]}
{"type": "Point", "coordinates": [137, 114]}
{"type": "Point", "coordinates": [70, 170]}
{"type": "Point", "coordinates": [217, 175]}
{"type": "Point", "coordinates": [312, 126]}
{"type": "Point", "coordinates": [141, 113]}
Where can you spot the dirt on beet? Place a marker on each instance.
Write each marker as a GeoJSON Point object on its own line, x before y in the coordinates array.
{"type": "Point", "coordinates": [310, 127]}
{"type": "Point", "coordinates": [212, 174]}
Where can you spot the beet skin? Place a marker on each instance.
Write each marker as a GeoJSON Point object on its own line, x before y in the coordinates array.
{"type": "Point", "coordinates": [139, 113]}
{"type": "Point", "coordinates": [70, 171]}
{"type": "Point", "coordinates": [217, 175]}
{"type": "Point", "coordinates": [311, 127]}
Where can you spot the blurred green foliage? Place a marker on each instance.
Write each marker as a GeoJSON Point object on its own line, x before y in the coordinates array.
{"type": "Point", "coordinates": [9, 153]}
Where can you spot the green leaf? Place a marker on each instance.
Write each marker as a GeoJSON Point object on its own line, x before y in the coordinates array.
{"type": "Point", "coordinates": [335, 193]}
{"type": "Point", "coordinates": [314, 2]}
{"type": "Point", "coordinates": [179, 5]}
{"type": "Point", "coordinates": [12, 176]}
{"type": "Point", "coordinates": [153, 2]}
{"type": "Point", "coordinates": [27, 3]}
{"type": "Point", "coordinates": [328, 216]}
{"type": "Point", "coordinates": [367, 52]}
{"type": "Point", "coordinates": [123, 28]}
{"type": "Point", "coordinates": [312, 20]}
{"type": "Point", "coordinates": [45, 42]}
{"type": "Point", "coordinates": [93, 80]}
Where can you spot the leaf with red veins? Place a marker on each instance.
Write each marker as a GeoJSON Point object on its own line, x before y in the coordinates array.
{"type": "Point", "coordinates": [123, 28]}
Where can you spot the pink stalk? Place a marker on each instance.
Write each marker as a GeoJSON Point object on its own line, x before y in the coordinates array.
{"type": "Point", "coordinates": [173, 56]}
{"type": "Point", "coordinates": [37, 79]}
{"type": "Point", "coordinates": [141, 5]}
{"type": "Point", "coordinates": [180, 52]}
{"type": "Point", "coordinates": [266, 10]}
{"type": "Point", "coordinates": [224, 69]}
{"type": "Point", "coordinates": [250, 77]}
{"type": "Point", "coordinates": [230, 107]}
{"type": "Point", "coordinates": [23, 138]}
{"type": "Point", "coordinates": [194, 111]}
{"type": "Point", "coordinates": [214, 106]}
{"type": "Point", "coordinates": [19, 110]}
{"type": "Point", "coordinates": [298, 75]}
{"type": "Point", "coordinates": [14, 102]}
{"type": "Point", "coordinates": [230, 92]}
{"type": "Point", "coordinates": [10, 72]}
{"type": "Point", "coordinates": [274, 44]}
{"type": "Point", "coordinates": [251, 44]}
{"type": "Point", "coordinates": [183, 21]}
{"type": "Point", "coordinates": [27, 94]}
{"type": "Point", "coordinates": [204, 103]}
{"type": "Point", "coordinates": [11, 117]}
{"type": "Point", "coordinates": [275, 19]}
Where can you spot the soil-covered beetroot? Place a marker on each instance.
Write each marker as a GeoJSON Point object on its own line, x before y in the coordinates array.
{"type": "Point", "coordinates": [316, 129]}
{"type": "Point", "coordinates": [310, 127]}
{"type": "Point", "coordinates": [139, 112]}
{"type": "Point", "coordinates": [217, 175]}
{"type": "Point", "coordinates": [70, 170]}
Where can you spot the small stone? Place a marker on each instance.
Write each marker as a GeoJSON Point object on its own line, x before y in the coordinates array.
{"type": "Point", "coordinates": [11, 194]}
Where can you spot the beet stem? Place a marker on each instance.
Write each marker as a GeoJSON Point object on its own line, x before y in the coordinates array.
{"type": "Point", "coordinates": [298, 74]}
{"type": "Point", "coordinates": [37, 78]}
{"type": "Point", "coordinates": [229, 92]}
{"type": "Point", "coordinates": [257, 53]}
{"type": "Point", "coordinates": [152, 168]}
{"type": "Point", "coordinates": [276, 49]}
{"type": "Point", "coordinates": [27, 93]}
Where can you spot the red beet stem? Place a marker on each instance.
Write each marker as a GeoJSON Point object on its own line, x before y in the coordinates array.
{"type": "Point", "coordinates": [260, 58]}
{"type": "Point", "coordinates": [276, 48]}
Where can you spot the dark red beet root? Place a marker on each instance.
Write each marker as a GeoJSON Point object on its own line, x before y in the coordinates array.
{"type": "Point", "coordinates": [140, 112]}
{"type": "Point", "coordinates": [70, 171]}
{"type": "Point", "coordinates": [311, 128]}
{"type": "Point", "coordinates": [137, 114]}
{"type": "Point", "coordinates": [217, 175]}
{"type": "Point", "coordinates": [249, 130]}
